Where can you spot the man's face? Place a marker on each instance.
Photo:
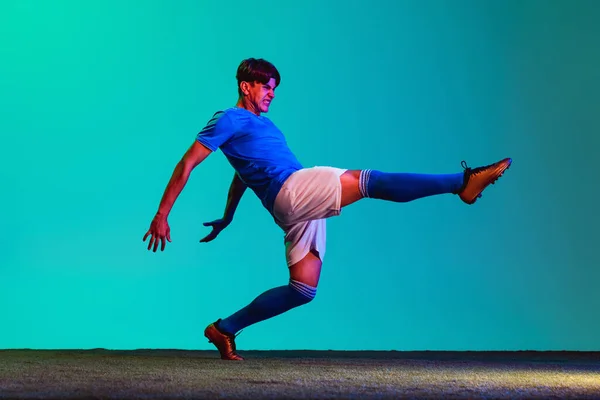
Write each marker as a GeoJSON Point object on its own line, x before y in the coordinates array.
{"type": "Point", "coordinates": [260, 95]}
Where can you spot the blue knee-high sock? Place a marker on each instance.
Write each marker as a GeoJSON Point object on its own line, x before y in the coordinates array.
{"type": "Point", "coordinates": [269, 304]}
{"type": "Point", "coordinates": [404, 187]}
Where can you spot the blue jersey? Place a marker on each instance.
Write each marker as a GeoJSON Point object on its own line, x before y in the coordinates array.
{"type": "Point", "coordinates": [254, 147]}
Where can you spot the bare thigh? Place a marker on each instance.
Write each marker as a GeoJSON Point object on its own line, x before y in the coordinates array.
{"type": "Point", "coordinates": [350, 188]}
{"type": "Point", "coordinates": [307, 270]}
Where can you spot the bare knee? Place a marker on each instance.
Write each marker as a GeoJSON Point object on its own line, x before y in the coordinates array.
{"type": "Point", "coordinates": [307, 270]}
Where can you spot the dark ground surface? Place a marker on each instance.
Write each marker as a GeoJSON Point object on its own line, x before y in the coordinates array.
{"type": "Point", "coordinates": [176, 374]}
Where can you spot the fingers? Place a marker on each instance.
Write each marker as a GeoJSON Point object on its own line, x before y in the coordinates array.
{"type": "Point", "coordinates": [209, 237]}
{"type": "Point", "coordinates": [213, 223]}
{"type": "Point", "coordinates": [156, 238]}
{"type": "Point", "coordinates": [150, 242]}
{"type": "Point", "coordinates": [155, 241]}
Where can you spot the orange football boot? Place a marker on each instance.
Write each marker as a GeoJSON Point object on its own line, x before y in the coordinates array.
{"type": "Point", "coordinates": [479, 178]}
{"type": "Point", "coordinates": [225, 342]}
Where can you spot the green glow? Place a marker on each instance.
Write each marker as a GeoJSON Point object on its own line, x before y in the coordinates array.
{"type": "Point", "coordinates": [99, 102]}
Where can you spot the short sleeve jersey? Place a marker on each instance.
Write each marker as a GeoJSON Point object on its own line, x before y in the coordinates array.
{"type": "Point", "coordinates": [254, 147]}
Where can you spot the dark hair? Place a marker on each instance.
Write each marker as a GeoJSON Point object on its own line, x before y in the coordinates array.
{"type": "Point", "coordinates": [256, 70]}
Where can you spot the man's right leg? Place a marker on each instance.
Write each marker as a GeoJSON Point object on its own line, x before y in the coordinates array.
{"type": "Point", "coordinates": [404, 187]}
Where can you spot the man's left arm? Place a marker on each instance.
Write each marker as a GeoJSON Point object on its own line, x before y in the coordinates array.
{"type": "Point", "coordinates": [236, 191]}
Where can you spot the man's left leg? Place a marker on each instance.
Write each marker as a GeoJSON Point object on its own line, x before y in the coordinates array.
{"type": "Point", "coordinates": [301, 289]}
{"type": "Point", "coordinates": [404, 187]}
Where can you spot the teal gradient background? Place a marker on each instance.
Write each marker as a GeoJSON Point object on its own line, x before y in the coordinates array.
{"type": "Point", "coordinates": [99, 101]}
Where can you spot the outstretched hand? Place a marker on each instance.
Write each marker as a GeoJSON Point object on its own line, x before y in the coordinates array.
{"type": "Point", "coordinates": [159, 232]}
{"type": "Point", "coordinates": [217, 226]}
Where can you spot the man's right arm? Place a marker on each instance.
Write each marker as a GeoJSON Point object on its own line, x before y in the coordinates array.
{"type": "Point", "coordinates": [190, 160]}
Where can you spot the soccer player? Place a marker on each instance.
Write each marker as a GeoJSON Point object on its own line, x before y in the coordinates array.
{"type": "Point", "coordinates": [299, 199]}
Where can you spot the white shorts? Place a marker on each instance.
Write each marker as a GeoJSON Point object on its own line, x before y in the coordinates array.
{"type": "Point", "coordinates": [305, 200]}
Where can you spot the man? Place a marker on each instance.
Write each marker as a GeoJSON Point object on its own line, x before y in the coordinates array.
{"type": "Point", "coordinates": [299, 199]}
